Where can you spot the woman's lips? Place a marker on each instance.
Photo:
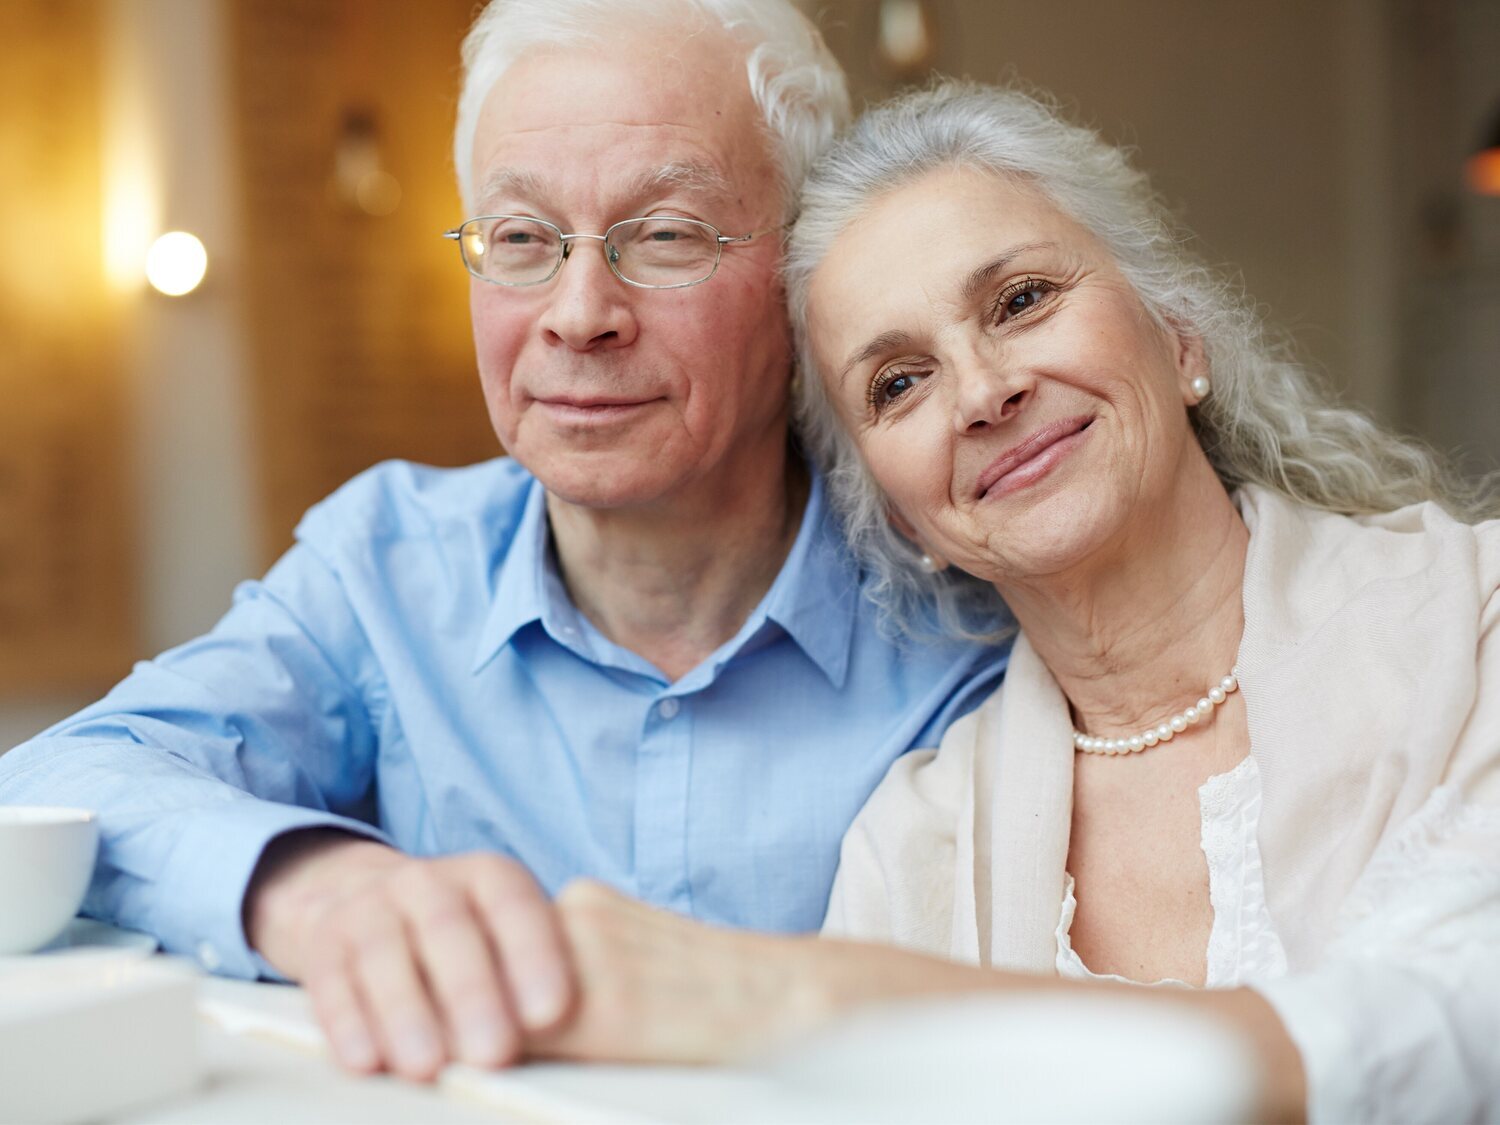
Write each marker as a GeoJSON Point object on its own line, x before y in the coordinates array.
{"type": "Point", "coordinates": [1033, 458]}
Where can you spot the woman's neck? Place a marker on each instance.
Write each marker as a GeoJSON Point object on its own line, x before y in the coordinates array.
{"type": "Point", "coordinates": [1144, 628]}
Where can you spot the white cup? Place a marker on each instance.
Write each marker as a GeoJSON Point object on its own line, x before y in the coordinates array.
{"type": "Point", "coordinates": [46, 860]}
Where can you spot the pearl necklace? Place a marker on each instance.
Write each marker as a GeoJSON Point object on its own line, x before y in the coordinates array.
{"type": "Point", "coordinates": [1163, 733]}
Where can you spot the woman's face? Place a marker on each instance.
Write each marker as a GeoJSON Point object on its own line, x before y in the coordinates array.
{"type": "Point", "coordinates": [1007, 387]}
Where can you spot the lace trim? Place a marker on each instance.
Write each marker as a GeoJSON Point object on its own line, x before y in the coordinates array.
{"type": "Point", "coordinates": [1424, 874]}
{"type": "Point", "coordinates": [1243, 943]}
{"type": "Point", "coordinates": [1071, 966]}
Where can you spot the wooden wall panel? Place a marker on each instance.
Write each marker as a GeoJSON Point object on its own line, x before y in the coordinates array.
{"type": "Point", "coordinates": [359, 335]}
{"type": "Point", "coordinates": [66, 572]}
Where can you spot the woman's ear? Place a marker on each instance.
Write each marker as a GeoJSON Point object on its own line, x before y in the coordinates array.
{"type": "Point", "coordinates": [1192, 366]}
{"type": "Point", "coordinates": [932, 562]}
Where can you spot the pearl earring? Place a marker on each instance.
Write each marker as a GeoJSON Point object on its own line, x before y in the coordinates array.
{"type": "Point", "coordinates": [1201, 386]}
{"type": "Point", "coordinates": [929, 564]}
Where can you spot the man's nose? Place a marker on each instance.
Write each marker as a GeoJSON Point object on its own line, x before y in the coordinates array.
{"type": "Point", "coordinates": [589, 307]}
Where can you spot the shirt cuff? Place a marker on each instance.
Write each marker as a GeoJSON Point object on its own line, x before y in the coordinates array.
{"type": "Point", "coordinates": [204, 886]}
{"type": "Point", "coordinates": [1377, 1044]}
{"type": "Point", "coordinates": [1314, 1010]}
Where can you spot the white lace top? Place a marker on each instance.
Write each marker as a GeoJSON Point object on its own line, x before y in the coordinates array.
{"type": "Point", "coordinates": [1243, 945]}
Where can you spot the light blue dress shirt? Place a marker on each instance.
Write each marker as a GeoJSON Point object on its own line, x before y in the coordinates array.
{"type": "Point", "coordinates": [413, 670]}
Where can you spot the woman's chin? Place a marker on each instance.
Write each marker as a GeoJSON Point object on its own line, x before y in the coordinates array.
{"type": "Point", "coordinates": [1046, 540]}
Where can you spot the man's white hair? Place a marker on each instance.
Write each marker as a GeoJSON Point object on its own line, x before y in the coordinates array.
{"type": "Point", "coordinates": [794, 79]}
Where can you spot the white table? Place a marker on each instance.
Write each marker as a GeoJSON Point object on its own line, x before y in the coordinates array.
{"type": "Point", "coordinates": [253, 1080]}
{"type": "Point", "coordinates": [986, 1057]}
{"type": "Point", "coordinates": [274, 1073]}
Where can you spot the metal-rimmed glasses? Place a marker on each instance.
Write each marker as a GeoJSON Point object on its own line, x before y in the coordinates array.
{"type": "Point", "coordinates": [663, 252]}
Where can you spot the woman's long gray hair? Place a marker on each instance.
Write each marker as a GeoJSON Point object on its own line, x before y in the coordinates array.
{"type": "Point", "coordinates": [1268, 421]}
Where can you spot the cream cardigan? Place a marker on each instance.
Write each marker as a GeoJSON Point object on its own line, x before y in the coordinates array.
{"type": "Point", "coordinates": [1370, 666]}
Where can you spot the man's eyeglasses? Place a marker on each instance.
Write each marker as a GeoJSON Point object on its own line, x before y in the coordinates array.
{"type": "Point", "coordinates": [658, 253]}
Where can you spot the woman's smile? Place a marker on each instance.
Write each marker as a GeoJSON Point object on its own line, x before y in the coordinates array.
{"type": "Point", "coordinates": [1032, 458]}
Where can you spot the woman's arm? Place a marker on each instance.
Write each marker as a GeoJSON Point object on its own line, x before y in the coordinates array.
{"type": "Point", "coordinates": [658, 987]}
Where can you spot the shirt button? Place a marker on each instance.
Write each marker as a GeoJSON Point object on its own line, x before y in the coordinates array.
{"type": "Point", "coordinates": [208, 956]}
{"type": "Point", "coordinates": [668, 708]}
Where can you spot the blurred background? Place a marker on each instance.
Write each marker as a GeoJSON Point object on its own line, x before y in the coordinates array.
{"type": "Point", "coordinates": [1342, 157]}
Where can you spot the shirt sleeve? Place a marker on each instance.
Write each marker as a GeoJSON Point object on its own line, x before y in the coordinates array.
{"type": "Point", "coordinates": [200, 758]}
{"type": "Point", "coordinates": [1401, 1019]}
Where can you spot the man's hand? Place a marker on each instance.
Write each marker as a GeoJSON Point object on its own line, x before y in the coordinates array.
{"type": "Point", "coordinates": [411, 963]}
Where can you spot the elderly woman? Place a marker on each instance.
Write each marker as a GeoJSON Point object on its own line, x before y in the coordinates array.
{"type": "Point", "coordinates": [1250, 737]}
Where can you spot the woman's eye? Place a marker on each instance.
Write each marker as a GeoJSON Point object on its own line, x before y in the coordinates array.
{"type": "Point", "coordinates": [1020, 299]}
{"type": "Point", "coordinates": [888, 390]}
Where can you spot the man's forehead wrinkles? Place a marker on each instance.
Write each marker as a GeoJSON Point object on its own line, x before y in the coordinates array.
{"type": "Point", "coordinates": [554, 126]}
{"type": "Point", "coordinates": [674, 159]}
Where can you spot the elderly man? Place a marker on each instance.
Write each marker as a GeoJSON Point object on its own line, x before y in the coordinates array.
{"type": "Point", "coordinates": [636, 650]}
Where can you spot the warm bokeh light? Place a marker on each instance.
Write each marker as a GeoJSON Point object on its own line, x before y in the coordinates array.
{"type": "Point", "coordinates": [1484, 172]}
{"type": "Point", "coordinates": [133, 163]}
{"type": "Point", "coordinates": [378, 193]}
{"type": "Point", "coordinates": [176, 263]}
{"type": "Point", "coordinates": [905, 34]}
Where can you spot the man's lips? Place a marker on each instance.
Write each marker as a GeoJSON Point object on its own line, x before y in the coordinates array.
{"type": "Point", "coordinates": [1029, 459]}
{"type": "Point", "coordinates": [592, 402]}
{"type": "Point", "coordinates": [592, 408]}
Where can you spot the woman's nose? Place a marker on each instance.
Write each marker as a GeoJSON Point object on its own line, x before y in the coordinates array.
{"type": "Point", "coordinates": [988, 391]}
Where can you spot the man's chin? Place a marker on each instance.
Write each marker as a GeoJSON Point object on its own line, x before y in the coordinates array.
{"type": "Point", "coordinates": [607, 482]}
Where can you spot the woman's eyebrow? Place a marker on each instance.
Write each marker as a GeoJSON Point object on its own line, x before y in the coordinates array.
{"type": "Point", "coordinates": [975, 283]}
{"type": "Point", "coordinates": [979, 279]}
{"type": "Point", "coordinates": [894, 340]}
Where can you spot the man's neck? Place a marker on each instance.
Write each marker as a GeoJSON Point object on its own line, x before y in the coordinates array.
{"type": "Point", "coordinates": [673, 581]}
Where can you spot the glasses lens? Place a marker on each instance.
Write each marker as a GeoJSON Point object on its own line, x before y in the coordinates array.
{"type": "Point", "coordinates": [509, 250]}
{"type": "Point", "coordinates": [664, 252]}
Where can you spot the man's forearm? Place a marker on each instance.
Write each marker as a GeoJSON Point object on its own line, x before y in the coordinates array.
{"type": "Point", "coordinates": [177, 845]}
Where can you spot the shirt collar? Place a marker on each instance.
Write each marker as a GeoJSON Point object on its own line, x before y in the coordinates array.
{"type": "Point", "coordinates": [520, 595]}
{"type": "Point", "coordinates": [816, 595]}
{"type": "Point", "coordinates": [813, 599]}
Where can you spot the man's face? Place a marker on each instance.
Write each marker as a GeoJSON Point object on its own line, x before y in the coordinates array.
{"type": "Point", "coordinates": [616, 396]}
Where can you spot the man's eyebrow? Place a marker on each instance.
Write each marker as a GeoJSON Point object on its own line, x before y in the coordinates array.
{"type": "Point", "coordinates": [509, 181]}
{"type": "Point", "coordinates": [693, 176]}
{"type": "Point", "coordinates": [980, 278]}
{"type": "Point", "coordinates": [891, 341]}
